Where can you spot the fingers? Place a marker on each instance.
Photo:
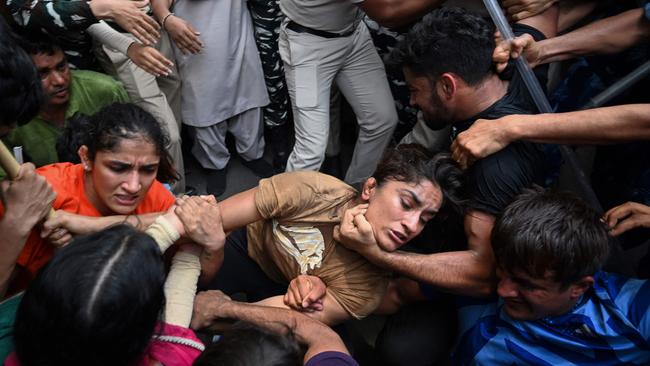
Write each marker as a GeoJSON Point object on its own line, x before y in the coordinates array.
{"type": "Point", "coordinates": [147, 23]}
{"type": "Point", "coordinates": [497, 37]}
{"type": "Point", "coordinates": [519, 44]}
{"type": "Point", "coordinates": [314, 299]}
{"type": "Point", "coordinates": [143, 31]}
{"type": "Point", "coordinates": [187, 203]}
{"type": "Point", "coordinates": [361, 223]}
{"type": "Point", "coordinates": [461, 152]}
{"type": "Point", "coordinates": [209, 199]}
{"type": "Point", "coordinates": [627, 224]}
{"type": "Point", "coordinates": [349, 215]}
{"type": "Point", "coordinates": [292, 297]}
{"type": "Point", "coordinates": [156, 63]}
{"type": "Point", "coordinates": [184, 35]}
{"type": "Point", "coordinates": [627, 216]}
{"type": "Point", "coordinates": [336, 234]}
{"type": "Point", "coordinates": [25, 171]}
{"type": "Point", "coordinates": [194, 43]}
{"type": "Point", "coordinates": [51, 224]}
{"type": "Point", "coordinates": [60, 237]}
{"type": "Point", "coordinates": [191, 41]}
{"type": "Point", "coordinates": [618, 213]}
{"type": "Point", "coordinates": [459, 155]}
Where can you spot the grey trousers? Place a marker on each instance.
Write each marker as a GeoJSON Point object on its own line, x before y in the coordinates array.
{"type": "Point", "coordinates": [312, 64]}
{"type": "Point", "coordinates": [145, 91]}
{"type": "Point", "coordinates": [210, 142]}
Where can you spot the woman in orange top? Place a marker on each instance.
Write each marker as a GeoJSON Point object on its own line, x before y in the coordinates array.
{"type": "Point", "coordinates": [122, 152]}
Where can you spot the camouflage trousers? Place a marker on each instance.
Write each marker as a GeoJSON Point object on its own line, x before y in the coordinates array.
{"type": "Point", "coordinates": [385, 40]}
{"type": "Point", "coordinates": [267, 18]}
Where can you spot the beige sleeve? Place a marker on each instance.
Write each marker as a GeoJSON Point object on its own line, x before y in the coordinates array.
{"type": "Point", "coordinates": [180, 288]}
{"type": "Point", "coordinates": [163, 233]}
{"type": "Point", "coordinates": [104, 34]}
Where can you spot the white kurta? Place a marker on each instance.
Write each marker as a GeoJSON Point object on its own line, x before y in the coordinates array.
{"type": "Point", "coordinates": [226, 78]}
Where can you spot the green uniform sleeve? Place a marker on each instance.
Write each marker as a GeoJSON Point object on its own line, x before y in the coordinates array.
{"type": "Point", "coordinates": [56, 16]}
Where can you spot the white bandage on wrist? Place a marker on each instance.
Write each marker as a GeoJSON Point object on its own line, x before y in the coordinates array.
{"type": "Point", "coordinates": [163, 233]}
{"type": "Point", "coordinates": [180, 288]}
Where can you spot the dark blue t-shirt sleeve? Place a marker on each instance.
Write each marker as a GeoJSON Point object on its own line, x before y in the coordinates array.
{"type": "Point", "coordinates": [331, 358]}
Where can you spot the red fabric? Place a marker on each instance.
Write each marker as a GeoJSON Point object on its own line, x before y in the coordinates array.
{"type": "Point", "coordinates": [168, 354]}
{"type": "Point", "coordinates": [67, 181]}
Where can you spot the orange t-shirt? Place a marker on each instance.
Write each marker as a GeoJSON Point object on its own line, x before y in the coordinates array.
{"type": "Point", "coordinates": [67, 181]}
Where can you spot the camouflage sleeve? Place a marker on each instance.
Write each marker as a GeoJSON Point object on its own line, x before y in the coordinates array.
{"type": "Point", "coordinates": [55, 16]}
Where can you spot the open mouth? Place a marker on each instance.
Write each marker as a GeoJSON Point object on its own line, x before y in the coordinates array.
{"type": "Point", "coordinates": [126, 200]}
{"type": "Point", "coordinates": [398, 237]}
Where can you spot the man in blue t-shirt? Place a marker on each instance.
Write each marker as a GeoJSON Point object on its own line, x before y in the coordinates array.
{"type": "Point", "coordinates": [554, 305]}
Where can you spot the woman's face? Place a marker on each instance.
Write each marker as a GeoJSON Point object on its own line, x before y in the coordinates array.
{"type": "Point", "coordinates": [398, 211]}
{"type": "Point", "coordinates": [118, 180]}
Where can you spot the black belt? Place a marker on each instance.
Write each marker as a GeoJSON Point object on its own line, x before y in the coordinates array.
{"type": "Point", "coordinates": [302, 29]}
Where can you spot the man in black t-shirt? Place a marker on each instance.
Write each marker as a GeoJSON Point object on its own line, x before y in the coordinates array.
{"type": "Point", "coordinates": [447, 62]}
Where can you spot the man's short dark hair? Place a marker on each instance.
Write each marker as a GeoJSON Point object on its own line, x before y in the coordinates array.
{"type": "Point", "coordinates": [550, 231]}
{"type": "Point", "coordinates": [447, 40]}
{"type": "Point", "coordinates": [35, 42]}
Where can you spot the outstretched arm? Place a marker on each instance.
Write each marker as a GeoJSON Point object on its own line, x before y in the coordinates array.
{"type": "Point", "coordinates": [62, 226]}
{"type": "Point", "coordinates": [146, 57]}
{"type": "Point", "coordinates": [332, 312]}
{"type": "Point", "coordinates": [210, 306]}
{"type": "Point", "coordinates": [469, 272]}
{"type": "Point", "coordinates": [593, 126]}
{"type": "Point", "coordinates": [60, 17]}
{"type": "Point", "coordinates": [605, 36]}
{"type": "Point", "coordinates": [239, 210]}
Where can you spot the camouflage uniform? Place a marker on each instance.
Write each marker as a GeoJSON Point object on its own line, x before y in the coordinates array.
{"type": "Point", "coordinates": [385, 40]}
{"type": "Point", "coordinates": [267, 18]}
{"type": "Point", "coordinates": [64, 20]}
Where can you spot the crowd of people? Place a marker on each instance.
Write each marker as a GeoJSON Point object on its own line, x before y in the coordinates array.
{"type": "Point", "coordinates": [453, 221]}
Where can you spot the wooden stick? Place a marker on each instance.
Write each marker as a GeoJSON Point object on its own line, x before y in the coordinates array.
{"type": "Point", "coordinates": [8, 163]}
{"type": "Point", "coordinates": [11, 167]}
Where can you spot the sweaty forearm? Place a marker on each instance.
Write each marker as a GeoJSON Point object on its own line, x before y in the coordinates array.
{"type": "Point", "coordinates": [307, 331]}
{"type": "Point", "coordinates": [606, 36]}
{"type": "Point", "coordinates": [139, 222]}
{"type": "Point", "coordinates": [594, 126]}
{"type": "Point", "coordinates": [461, 272]}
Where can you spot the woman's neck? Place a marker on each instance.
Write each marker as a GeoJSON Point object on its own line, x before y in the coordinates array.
{"type": "Point", "coordinates": [93, 198]}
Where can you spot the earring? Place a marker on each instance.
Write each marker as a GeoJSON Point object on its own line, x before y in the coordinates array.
{"type": "Point", "coordinates": [86, 167]}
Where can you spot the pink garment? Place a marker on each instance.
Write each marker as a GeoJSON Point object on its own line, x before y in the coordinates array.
{"type": "Point", "coordinates": [174, 346]}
